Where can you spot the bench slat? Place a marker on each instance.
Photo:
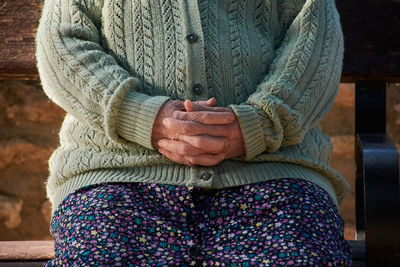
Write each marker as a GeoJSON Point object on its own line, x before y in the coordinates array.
{"type": "Point", "coordinates": [44, 250]}
{"type": "Point", "coordinates": [23, 264]}
{"type": "Point", "coordinates": [372, 49]}
{"type": "Point", "coordinates": [18, 23]}
{"type": "Point", "coordinates": [26, 250]}
{"type": "Point", "coordinates": [372, 39]}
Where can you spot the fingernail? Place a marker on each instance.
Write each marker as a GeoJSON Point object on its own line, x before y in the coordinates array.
{"type": "Point", "coordinates": [188, 105]}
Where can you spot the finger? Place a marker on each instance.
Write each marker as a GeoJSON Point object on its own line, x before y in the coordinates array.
{"type": "Point", "coordinates": [193, 106]}
{"type": "Point", "coordinates": [206, 143]}
{"type": "Point", "coordinates": [203, 159]}
{"type": "Point", "coordinates": [210, 102]}
{"type": "Point", "coordinates": [191, 128]}
{"type": "Point", "coordinates": [206, 159]}
{"type": "Point", "coordinates": [179, 147]}
{"type": "Point", "coordinates": [175, 157]}
{"type": "Point", "coordinates": [206, 117]}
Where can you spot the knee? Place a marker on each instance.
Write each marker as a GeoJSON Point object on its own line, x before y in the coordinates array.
{"type": "Point", "coordinates": [322, 257]}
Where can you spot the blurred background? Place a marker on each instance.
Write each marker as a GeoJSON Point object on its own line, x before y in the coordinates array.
{"type": "Point", "coordinates": [29, 125]}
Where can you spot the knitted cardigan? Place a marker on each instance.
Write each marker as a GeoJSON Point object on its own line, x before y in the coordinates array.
{"type": "Point", "coordinates": [111, 64]}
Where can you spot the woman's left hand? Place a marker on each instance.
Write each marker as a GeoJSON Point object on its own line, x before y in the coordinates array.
{"type": "Point", "coordinates": [202, 128]}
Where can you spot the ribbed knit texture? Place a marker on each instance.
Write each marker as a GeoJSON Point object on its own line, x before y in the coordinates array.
{"type": "Point", "coordinates": [112, 65]}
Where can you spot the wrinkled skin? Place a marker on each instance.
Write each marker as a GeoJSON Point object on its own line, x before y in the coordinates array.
{"type": "Point", "coordinates": [197, 133]}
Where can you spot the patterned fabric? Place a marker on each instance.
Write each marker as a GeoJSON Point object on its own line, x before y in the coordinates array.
{"type": "Point", "coordinates": [279, 222]}
{"type": "Point", "coordinates": [112, 64]}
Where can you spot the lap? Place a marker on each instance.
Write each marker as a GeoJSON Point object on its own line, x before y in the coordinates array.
{"type": "Point", "coordinates": [287, 221]}
{"type": "Point", "coordinates": [119, 224]}
{"type": "Point", "coordinates": [146, 224]}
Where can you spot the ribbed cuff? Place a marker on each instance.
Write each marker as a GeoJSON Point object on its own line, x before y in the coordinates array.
{"type": "Point", "coordinates": [137, 114]}
{"type": "Point", "coordinates": [252, 131]}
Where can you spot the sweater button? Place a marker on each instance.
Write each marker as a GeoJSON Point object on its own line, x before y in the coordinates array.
{"type": "Point", "coordinates": [194, 251]}
{"type": "Point", "coordinates": [191, 38]}
{"type": "Point", "coordinates": [206, 176]}
{"type": "Point", "coordinates": [197, 89]}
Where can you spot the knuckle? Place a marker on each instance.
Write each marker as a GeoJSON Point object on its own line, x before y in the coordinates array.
{"type": "Point", "coordinates": [166, 122]}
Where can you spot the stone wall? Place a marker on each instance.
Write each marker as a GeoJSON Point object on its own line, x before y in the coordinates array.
{"type": "Point", "coordinates": [29, 125]}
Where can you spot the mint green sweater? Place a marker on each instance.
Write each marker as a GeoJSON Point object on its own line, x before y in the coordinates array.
{"type": "Point", "coordinates": [112, 64]}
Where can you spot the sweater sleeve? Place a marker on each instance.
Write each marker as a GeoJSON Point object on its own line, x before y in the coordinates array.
{"type": "Point", "coordinates": [301, 84]}
{"type": "Point", "coordinates": [81, 77]}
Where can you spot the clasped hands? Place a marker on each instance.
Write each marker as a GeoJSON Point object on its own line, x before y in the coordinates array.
{"type": "Point", "coordinates": [197, 133]}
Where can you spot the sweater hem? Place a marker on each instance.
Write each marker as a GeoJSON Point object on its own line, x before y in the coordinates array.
{"type": "Point", "coordinates": [183, 175]}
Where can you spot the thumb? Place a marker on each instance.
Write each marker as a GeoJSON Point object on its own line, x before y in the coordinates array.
{"type": "Point", "coordinates": [195, 106]}
{"type": "Point", "coordinates": [210, 102]}
{"type": "Point", "coordinates": [199, 105]}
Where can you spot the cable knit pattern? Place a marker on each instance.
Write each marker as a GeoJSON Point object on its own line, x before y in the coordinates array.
{"type": "Point", "coordinates": [209, 15]}
{"type": "Point", "coordinates": [112, 64]}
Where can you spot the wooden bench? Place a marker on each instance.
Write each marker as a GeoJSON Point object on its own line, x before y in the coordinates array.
{"type": "Point", "coordinates": [371, 61]}
{"type": "Point", "coordinates": [25, 253]}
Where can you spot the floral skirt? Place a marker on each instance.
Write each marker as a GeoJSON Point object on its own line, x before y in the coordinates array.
{"type": "Point", "coordinates": [289, 222]}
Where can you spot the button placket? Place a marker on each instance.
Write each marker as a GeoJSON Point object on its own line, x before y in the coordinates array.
{"type": "Point", "coordinates": [195, 63]}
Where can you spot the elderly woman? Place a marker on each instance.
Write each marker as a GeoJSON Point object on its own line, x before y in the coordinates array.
{"type": "Point", "coordinates": [192, 132]}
